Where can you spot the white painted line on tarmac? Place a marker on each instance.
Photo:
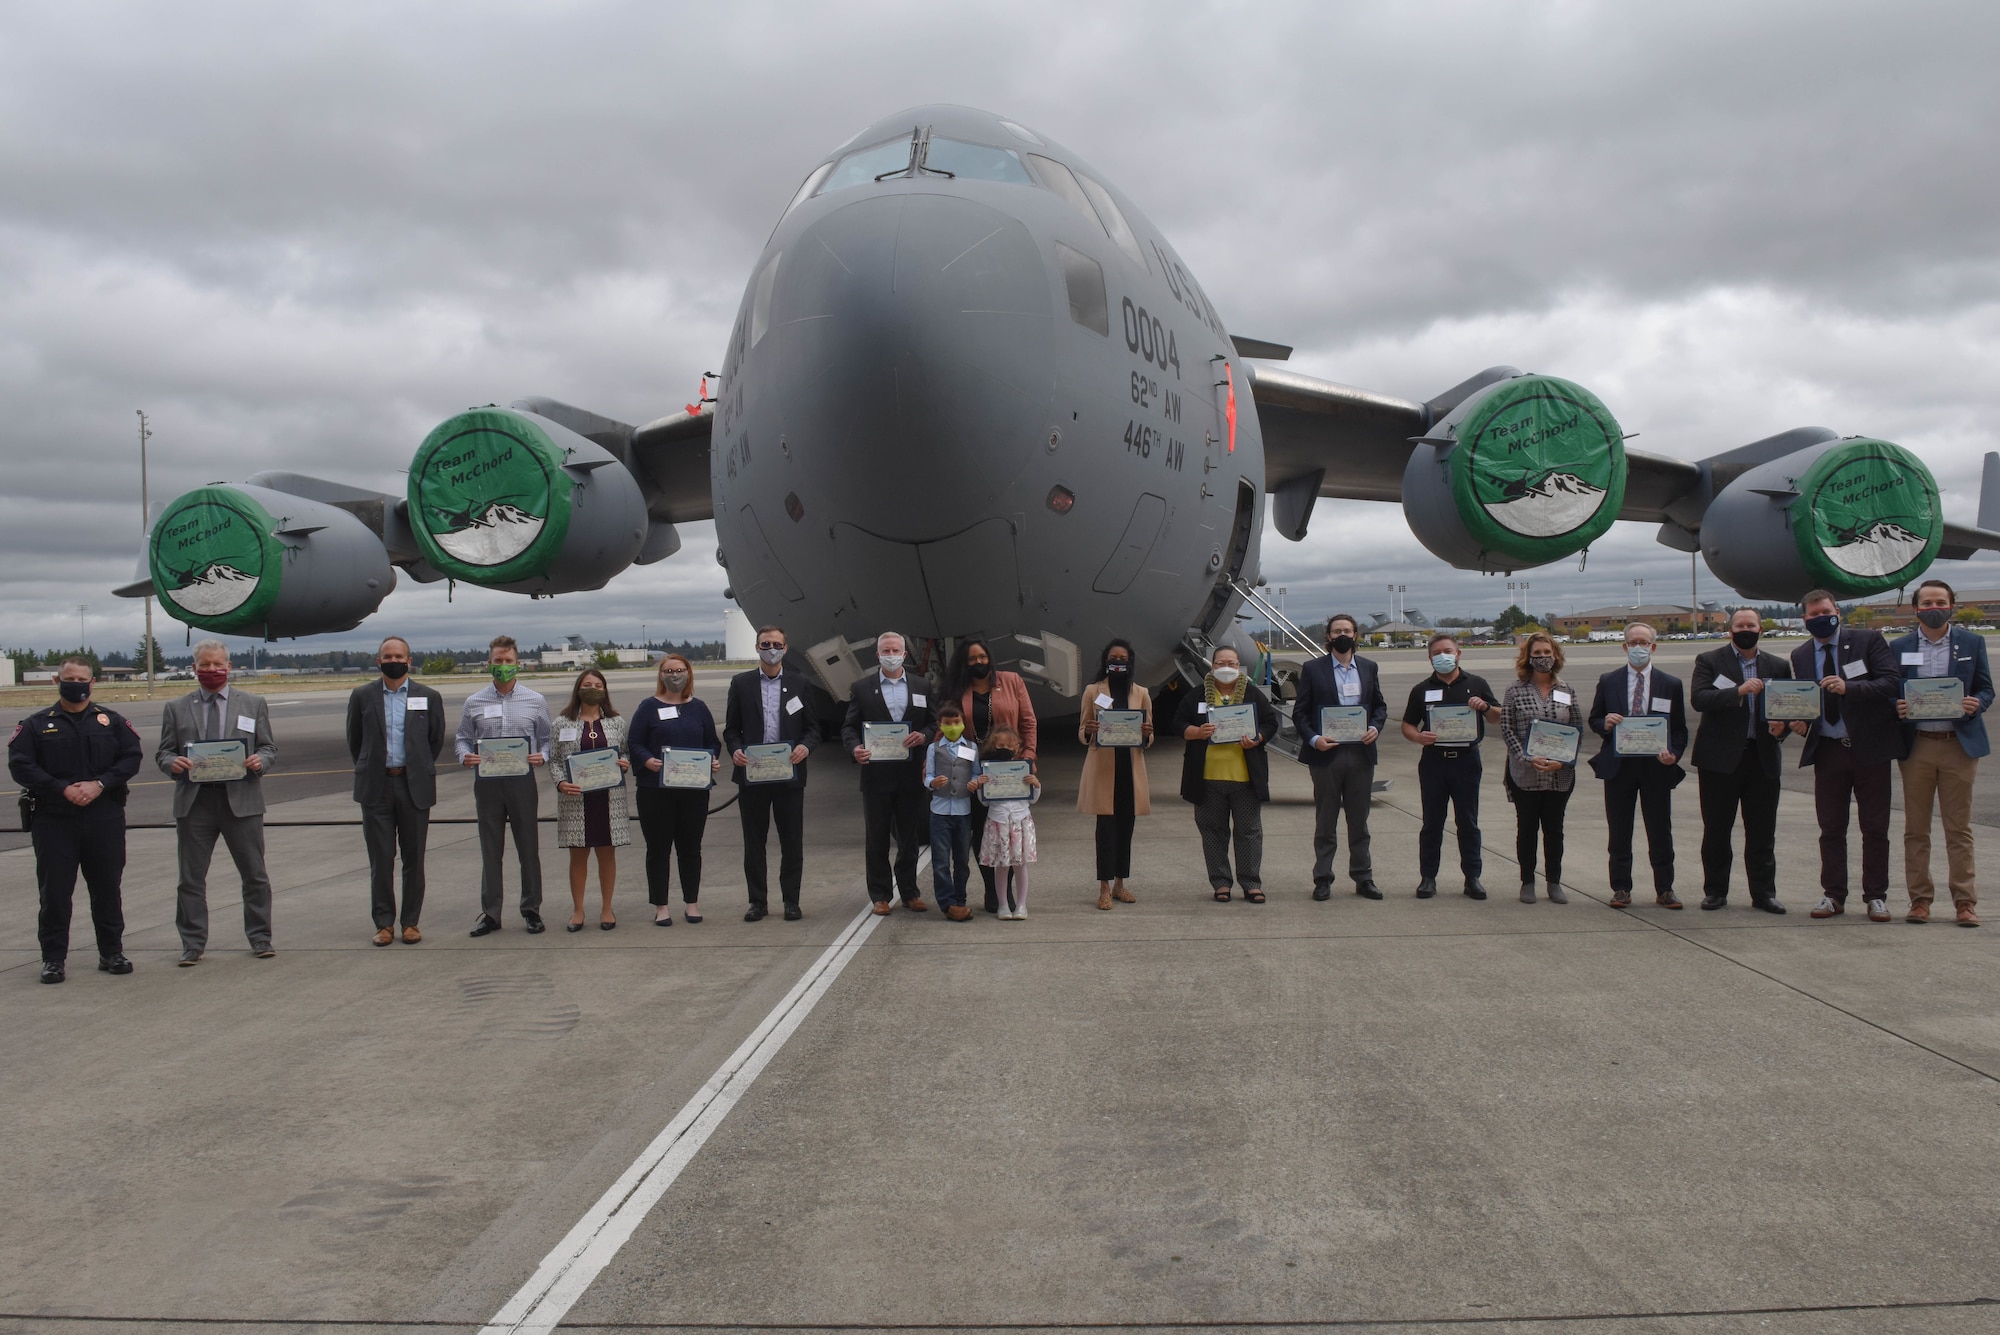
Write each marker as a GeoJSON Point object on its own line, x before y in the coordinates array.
{"type": "Point", "coordinates": [568, 1272]}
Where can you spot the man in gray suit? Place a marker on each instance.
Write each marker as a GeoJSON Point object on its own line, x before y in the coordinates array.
{"type": "Point", "coordinates": [232, 810]}
{"type": "Point", "coordinates": [395, 733]}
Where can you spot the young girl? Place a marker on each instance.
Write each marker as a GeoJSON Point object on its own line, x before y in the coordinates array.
{"type": "Point", "coordinates": [1009, 838]}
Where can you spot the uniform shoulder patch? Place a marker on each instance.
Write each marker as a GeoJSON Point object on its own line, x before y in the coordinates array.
{"type": "Point", "coordinates": [17, 731]}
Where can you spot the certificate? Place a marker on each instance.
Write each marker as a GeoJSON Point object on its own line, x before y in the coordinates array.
{"type": "Point", "coordinates": [770, 762]}
{"type": "Point", "coordinates": [1005, 780]}
{"type": "Point", "coordinates": [1455, 725]}
{"type": "Point", "coordinates": [502, 757]}
{"type": "Point", "coordinates": [1640, 736]}
{"type": "Point", "coordinates": [1549, 740]}
{"type": "Point", "coordinates": [1343, 723]}
{"type": "Point", "coordinates": [1121, 727]}
{"type": "Point", "coordinates": [1788, 699]}
{"type": "Point", "coordinates": [685, 767]}
{"type": "Point", "coordinates": [1935, 697]}
{"type": "Point", "coordinates": [220, 762]}
{"type": "Point", "coordinates": [885, 741]}
{"type": "Point", "coordinates": [1232, 723]}
{"type": "Point", "coordinates": [594, 770]}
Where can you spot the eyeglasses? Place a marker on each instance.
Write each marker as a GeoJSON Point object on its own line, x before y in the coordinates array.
{"type": "Point", "coordinates": [772, 644]}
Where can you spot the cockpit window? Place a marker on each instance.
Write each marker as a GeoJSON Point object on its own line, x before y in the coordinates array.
{"type": "Point", "coordinates": [812, 184]}
{"type": "Point", "coordinates": [862, 167]}
{"type": "Point", "coordinates": [1114, 221]}
{"type": "Point", "coordinates": [1059, 179]}
{"type": "Point", "coordinates": [976, 162]}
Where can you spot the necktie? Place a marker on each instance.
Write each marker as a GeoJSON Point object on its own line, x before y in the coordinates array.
{"type": "Point", "coordinates": [214, 719]}
{"type": "Point", "coordinates": [1638, 693]}
{"type": "Point", "coordinates": [1832, 707]}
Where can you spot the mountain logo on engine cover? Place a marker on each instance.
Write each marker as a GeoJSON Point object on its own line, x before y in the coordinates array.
{"type": "Point", "coordinates": [1873, 514]}
{"type": "Point", "coordinates": [1538, 460]}
{"type": "Point", "coordinates": [211, 552]}
{"type": "Point", "coordinates": [483, 488]}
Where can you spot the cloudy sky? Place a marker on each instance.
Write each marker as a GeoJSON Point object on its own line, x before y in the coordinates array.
{"type": "Point", "coordinates": [301, 235]}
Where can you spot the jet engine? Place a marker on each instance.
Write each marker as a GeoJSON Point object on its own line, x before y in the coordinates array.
{"type": "Point", "coordinates": [513, 501]}
{"type": "Point", "coordinates": [249, 560]}
{"type": "Point", "coordinates": [1856, 517]}
{"type": "Point", "coordinates": [1523, 472]}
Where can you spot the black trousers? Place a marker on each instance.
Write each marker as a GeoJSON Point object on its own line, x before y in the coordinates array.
{"type": "Point", "coordinates": [1836, 778]}
{"type": "Point", "coordinates": [1114, 832]}
{"type": "Point", "coordinates": [386, 827]}
{"type": "Point", "coordinates": [91, 841]}
{"type": "Point", "coordinates": [1754, 791]}
{"type": "Point", "coordinates": [756, 805]}
{"type": "Point", "coordinates": [904, 811]}
{"type": "Point", "coordinates": [672, 821]}
{"type": "Point", "coordinates": [1539, 813]}
{"type": "Point", "coordinates": [1449, 778]}
{"type": "Point", "coordinates": [992, 904]}
{"type": "Point", "coordinates": [1621, 795]}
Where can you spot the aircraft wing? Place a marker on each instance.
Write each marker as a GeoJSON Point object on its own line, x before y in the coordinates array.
{"type": "Point", "coordinates": [669, 455]}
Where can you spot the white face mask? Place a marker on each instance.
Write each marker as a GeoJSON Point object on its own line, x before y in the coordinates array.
{"type": "Point", "coordinates": [890, 662]}
{"type": "Point", "coordinates": [1225, 675]}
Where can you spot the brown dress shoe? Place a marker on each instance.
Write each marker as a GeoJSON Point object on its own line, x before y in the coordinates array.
{"type": "Point", "coordinates": [1669, 900]}
{"type": "Point", "coordinates": [1919, 913]}
{"type": "Point", "coordinates": [411, 935]}
{"type": "Point", "coordinates": [883, 907]}
{"type": "Point", "coordinates": [958, 913]}
{"type": "Point", "coordinates": [1124, 896]}
{"type": "Point", "coordinates": [1966, 917]}
{"type": "Point", "coordinates": [916, 905]}
{"type": "Point", "coordinates": [383, 936]}
{"type": "Point", "coordinates": [1104, 897]}
{"type": "Point", "coordinates": [1621, 899]}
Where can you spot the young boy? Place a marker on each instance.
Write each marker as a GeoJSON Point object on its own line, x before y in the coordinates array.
{"type": "Point", "coordinates": [950, 763]}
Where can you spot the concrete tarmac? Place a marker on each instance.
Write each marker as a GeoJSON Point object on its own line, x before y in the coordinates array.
{"type": "Point", "coordinates": [1402, 1115]}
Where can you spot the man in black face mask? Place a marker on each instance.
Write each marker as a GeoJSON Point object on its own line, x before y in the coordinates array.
{"type": "Point", "coordinates": [395, 733]}
{"type": "Point", "coordinates": [1737, 761]}
{"type": "Point", "coordinates": [73, 762]}
{"type": "Point", "coordinates": [1343, 774]}
{"type": "Point", "coordinates": [1943, 753]}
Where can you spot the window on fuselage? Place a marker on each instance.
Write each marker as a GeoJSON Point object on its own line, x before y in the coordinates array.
{"type": "Point", "coordinates": [1083, 277]}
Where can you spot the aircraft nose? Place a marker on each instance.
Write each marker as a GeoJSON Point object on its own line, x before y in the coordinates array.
{"type": "Point", "coordinates": [911, 353]}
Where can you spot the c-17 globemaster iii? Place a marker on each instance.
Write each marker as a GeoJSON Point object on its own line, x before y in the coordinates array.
{"type": "Point", "coordinates": [971, 389]}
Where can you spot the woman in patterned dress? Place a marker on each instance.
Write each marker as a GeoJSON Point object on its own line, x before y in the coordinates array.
{"type": "Point", "coordinates": [599, 819]}
{"type": "Point", "coordinates": [1539, 789]}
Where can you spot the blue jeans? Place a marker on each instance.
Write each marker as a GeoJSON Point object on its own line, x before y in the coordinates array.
{"type": "Point", "coordinates": [951, 857]}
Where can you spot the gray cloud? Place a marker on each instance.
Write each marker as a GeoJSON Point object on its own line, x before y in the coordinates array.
{"type": "Point", "coordinates": [300, 237]}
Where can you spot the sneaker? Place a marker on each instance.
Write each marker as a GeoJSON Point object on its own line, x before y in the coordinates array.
{"type": "Point", "coordinates": [1020, 915]}
{"type": "Point", "coordinates": [1527, 892]}
{"type": "Point", "coordinates": [1667, 899]}
{"type": "Point", "coordinates": [1966, 917]}
{"type": "Point", "coordinates": [1554, 890]}
{"type": "Point", "coordinates": [1878, 910]}
{"type": "Point", "coordinates": [1621, 899]}
{"type": "Point", "coordinates": [1828, 907]}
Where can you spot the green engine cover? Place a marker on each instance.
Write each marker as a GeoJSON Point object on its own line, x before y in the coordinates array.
{"type": "Point", "coordinates": [216, 560]}
{"type": "Point", "coordinates": [489, 501]}
{"type": "Point", "coordinates": [1539, 468]}
{"type": "Point", "coordinates": [1871, 518]}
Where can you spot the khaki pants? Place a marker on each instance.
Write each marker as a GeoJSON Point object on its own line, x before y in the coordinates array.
{"type": "Point", "coordinates": [1938, 767]}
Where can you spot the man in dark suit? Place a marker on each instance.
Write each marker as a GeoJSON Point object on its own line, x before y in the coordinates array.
{"type": "Point", "coordinates": [1640, 690]}
{"type": "Point", "coordinates": [1736, 762]}
{"type": "Point", "coordinates": [1343, 777]}
{"type": "Point", "coordinates": [893, 799]}
{"type": "Point", "coordinates": [767, 705]}
{"type": "Point", "coordinates": [1850, 746]}
{"type": "Point", "coordinates": [395, 733]}
{"type": "Point", "coordinates": [1943, 754]}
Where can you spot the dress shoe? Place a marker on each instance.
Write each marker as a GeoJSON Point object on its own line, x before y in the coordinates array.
{"type": "Point", "coordinates": [190, 958]}
{"type": "Point", "coordinates": [1828, 907]}
{"type": "Point", "coordinates": [411, 935]}
{"type": "Point", "coordinates": [1667, 899]}
{"type": "Point", "coordinates": [1621, 899]}
{"type": "Point", "coordinates": [1878, 910]}
{"type": "Point", "coordinates": [576, 926]}
{"type": "Point", "coordinates": [1918, 914]}
{"type": "Point", "coordinates": [610, 926]}
{"type": "Point", "coordinates": [691, 913]}
{"type": "Point", "coordinates": [1367, 890]}
{"type": "Point", "coordinates": [958, 913]}
{"type": "Point", "coordinates": [383, 936]}
{"type": "Point", "coordinates": [1528, 892]}
{"type": "Point", "coordinates": [1554, 890]}
{"type": "Point", "coordinates": [915, 904]}
{"type": "Point", "coordinates": [113, 964]}
{"type": "Point", "coordinates": [1104, 896]}
{"type": "Point", "coordinates": [1427, 888]}
{"type": "Point", "coordinates": [484, 925]}
{"type": "Point", "coordinates": [1123, 896]}
{"type": "Point", "coordinates": [757, 912]}
{"type": "Point", "coordinates": [1767, 906]}
{"type": "Point", "coordinates": [1966, 917]}
{"type": "Point", "coordinates": [531, 922]}
{"type": "Point", "coordinates": [264, 952]}
{"type": "Point", "coordinates": [52, 971]}
{"type": "Point", "coordinates": [1473, 889]}
{"type": "Point", "coordinates": [792, 913]}
{"type": "Point", "coordinates": [1322, 892]}
{"type": "Point", "coordinates": [1710, 903]}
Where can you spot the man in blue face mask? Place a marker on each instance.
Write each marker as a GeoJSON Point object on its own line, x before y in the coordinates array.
{"type": "Point", "coordinates": [1448, 773]}
{"type": "Point", "coordinates": [1644, 779]}
{"type": "Point", "coordinates": [1849, 747]}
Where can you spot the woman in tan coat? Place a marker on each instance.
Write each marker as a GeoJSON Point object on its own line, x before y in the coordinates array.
{"type": "Point", "coordinates": [1114, 777]}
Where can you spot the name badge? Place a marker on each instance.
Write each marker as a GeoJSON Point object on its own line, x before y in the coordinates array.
{"type": "Point", "coordinates": [1913, 660]}
{"type": "Point", "coordinates": [918, 700]}
{"type": "Point", "coordinates": [671, 711]}
{"type": "Point", "coordinates": [1561, 697]}
{"type": "Point", "coordinates": [1201, 706]}
{"type": "Point", "coordinates": [1853, 670]}
{"type": "Point", "coordinates": [245, 723]}
{"type": "Point", "coordinates": [1662, 704]}
{"type": "Point", "coordinates": [1350, 695]}
{"type": "Point", "coordinates": [1103, 701]}
{"type": "Point", "coordinates": [494, 711]}
{"type": "Point", "coordinates": [967, 753]}
{"type": "Point", "coordinates": [1433, 697]}
{"type": "Point", "coordinates": [569, 734]}
{"type": "Point", "coordinates": [1723, 683]}
{"type": "Point", "coordinates": [420, 703]}
{"type": "Point", "coordinates": [793, 705]}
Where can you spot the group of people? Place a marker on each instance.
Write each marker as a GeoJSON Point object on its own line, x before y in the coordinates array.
{"type": "Point", "coordinates": [931, 761]}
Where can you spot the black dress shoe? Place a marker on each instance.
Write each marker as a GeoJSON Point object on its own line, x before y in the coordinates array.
{"type": "Point", "coordinates": [531, 922]}
{"type": "Point", "coordinates": [113, 964]}
{"type": "Point", "coordinates": [572, 927]}
{"type": "Point", "coordinates": [793, 912]}
{"type": "Point", "coordinates": [1473, 889]}
{"type": "Point", "coordinates": [52, 971]}
{"type": "Point", "coordinates": [1713, 901]}
{"type": "Point", "coordinates": [1322, 892]}
{"type": "Point", "coordinates": [1767, 905]}
{"type": "Point", "coordinates": [483, 926]}
{"type": "Point", "coordinates": [1367, 890]}
{"type": "Point", "coordinates": [755, 913]}
{"type": "Point", "coordinates": [1427, 888]}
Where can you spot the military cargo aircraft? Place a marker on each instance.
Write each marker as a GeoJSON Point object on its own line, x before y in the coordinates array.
{"type": "Point", "coordinates": [971, 389]}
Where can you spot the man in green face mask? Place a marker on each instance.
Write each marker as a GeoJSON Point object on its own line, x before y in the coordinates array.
{"type": "Point", "coordinates": [506, 709]}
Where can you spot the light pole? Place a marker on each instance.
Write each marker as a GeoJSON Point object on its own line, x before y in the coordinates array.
{"type": "Point", "coordinates": [81, 608]}
{"type": "Point", "coordinates": [145, 510]}
{"type": "Point", "coordinates": [1638, 592]}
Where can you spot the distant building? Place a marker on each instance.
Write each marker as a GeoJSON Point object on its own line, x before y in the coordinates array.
{"type": "Point", "coordinates": [1893, 607]}
{"type": "Point", "coordinates": [1666, 618]}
